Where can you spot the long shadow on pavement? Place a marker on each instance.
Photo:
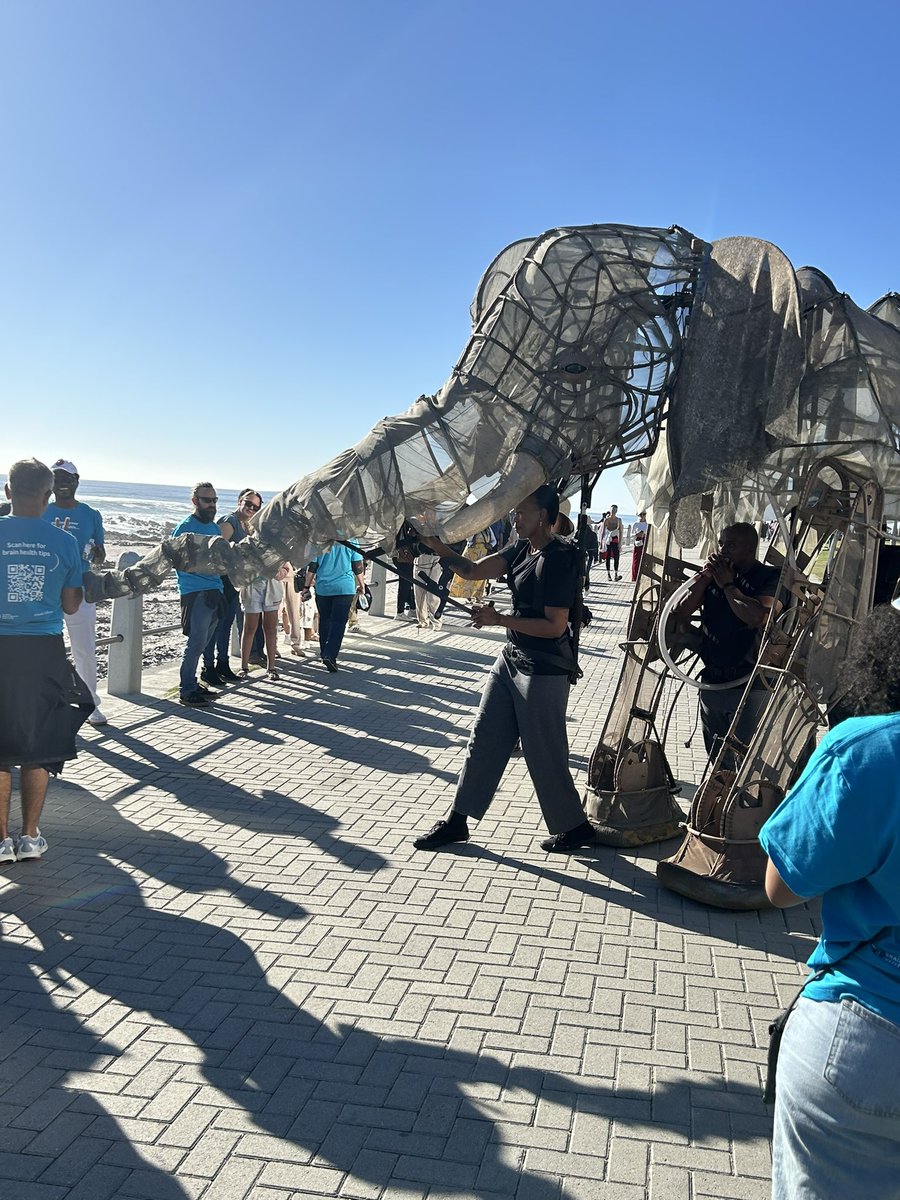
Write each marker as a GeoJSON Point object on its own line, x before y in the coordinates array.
{"type": "Point", "coordinates": [56, 1135]}
{"type": "Point", "coordinates": [641, 893]}
{"type": "Point", "coordinates": [385, 1109]}
{"type": "Point", "coordinates": [269, 814]}
{"type": "Point", "coordinates": [365, 732]}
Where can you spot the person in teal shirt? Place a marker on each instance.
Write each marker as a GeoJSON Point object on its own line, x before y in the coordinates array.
{"type": "Point", "coordinates": [339, 575]}
{"type": "Point", "coordinates": [837, 835]}
{"type": "Point", "coordinates": [202, 599]}
{"type": "Point", "coordinates": [43, 703]}
{"type": "Point", "coordinates": [86, 525]}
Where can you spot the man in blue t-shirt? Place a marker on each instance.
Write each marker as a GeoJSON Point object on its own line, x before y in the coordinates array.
{"type": "Point", "coordinates": [86, 526]}
{"type": "Point", "coordinates": [202, 598]}
{"type": "Point", "coordinates": [42, 702]}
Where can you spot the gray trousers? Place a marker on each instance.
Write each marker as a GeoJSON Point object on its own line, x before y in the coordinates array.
{"type": "Point", "coordinates": [533, 708]}
{"type": "Point", "coordinates": [717, 711]}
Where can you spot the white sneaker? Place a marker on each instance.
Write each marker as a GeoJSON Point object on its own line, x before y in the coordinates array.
{"type": "Point", "coordinates": [30, 847]}
{"type": "Point", "coordinates": [7, 850]}
{"type": "Point", "coordinates": [98, 717]}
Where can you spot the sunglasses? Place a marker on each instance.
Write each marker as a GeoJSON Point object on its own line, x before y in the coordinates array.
{"type": "Point", "coordinates": [249, 504]}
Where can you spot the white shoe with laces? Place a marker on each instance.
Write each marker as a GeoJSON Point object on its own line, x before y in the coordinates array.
{"type": "Point", "coordinates": [30, 847]}
{"type": "Point", "coordinates": [98, 717]}
{"type": "Point", "coordinates": [7, 850]}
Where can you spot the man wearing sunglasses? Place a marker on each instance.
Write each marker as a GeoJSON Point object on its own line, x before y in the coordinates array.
{"type": "Point", "coordinates": [202, 598]}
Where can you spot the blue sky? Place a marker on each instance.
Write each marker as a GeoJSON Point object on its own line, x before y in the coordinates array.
{"type": "Point", "coordinates": [235, 235]}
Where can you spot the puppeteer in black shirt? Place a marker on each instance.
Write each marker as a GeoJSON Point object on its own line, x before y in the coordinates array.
{"type": "Point", "coordinates": [730, 647]}
{"type": "Point", "coordinates": [554, 585]}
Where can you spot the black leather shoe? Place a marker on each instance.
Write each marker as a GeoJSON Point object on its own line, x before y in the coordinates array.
{"type": "Point", "coordinates": [211, 676]}
{"type": "Point", "coordinates": [574, 839]}
{"type": "Point", "coordinates": [330, 664]}
{"type": "Point", "coordinates": [443, 834]}
{"type": "Point", "coordinates": [226, 674]}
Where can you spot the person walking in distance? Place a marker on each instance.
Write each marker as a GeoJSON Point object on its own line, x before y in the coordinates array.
{"type": "Point", "coordinates": [43, 703]}
{"type": "Point", "coordinates": [640, 531]}
{"type": "Point", "coordinates": [588, 544]}
{"type": "Point", "coordinates": [201, 598]}
{"type": "Point", "coordinates": [528, 687]}
{"type": "Point", "coordinates": [613, 532]}
{"type": "Point", "coordinates": [86, 526]}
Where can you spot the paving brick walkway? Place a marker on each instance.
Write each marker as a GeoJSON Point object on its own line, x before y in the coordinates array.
{"type": "Point", "coordinates": [233, 977]}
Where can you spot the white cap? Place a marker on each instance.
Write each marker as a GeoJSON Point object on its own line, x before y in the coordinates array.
{"type": "Point", "coordinates": [63, 464]}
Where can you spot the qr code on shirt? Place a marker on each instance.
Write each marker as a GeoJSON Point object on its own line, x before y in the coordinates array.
{"type": "Point", "coordinates": [25, 582]}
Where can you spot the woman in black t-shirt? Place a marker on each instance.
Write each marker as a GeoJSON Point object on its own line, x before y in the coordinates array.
{"type": "Point", "coordinates": [527, 690]}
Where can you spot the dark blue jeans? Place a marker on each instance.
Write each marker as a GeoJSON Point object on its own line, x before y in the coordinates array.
{"type": "Point", "coordinates": [333, 614]}
{"type": "Point", "coordinates": [219, 644]}
{"type": "Point", "coordinates": [199, 617]}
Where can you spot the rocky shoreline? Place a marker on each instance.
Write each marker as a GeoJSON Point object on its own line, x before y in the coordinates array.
{"type": "Point", "coordinates": [161, 608]}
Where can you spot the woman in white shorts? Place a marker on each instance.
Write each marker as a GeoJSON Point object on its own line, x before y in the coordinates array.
{"type": "Point", "coordinates": [261, 598]}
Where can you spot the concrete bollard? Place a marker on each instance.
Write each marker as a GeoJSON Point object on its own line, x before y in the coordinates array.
{"type": "Point", "coordinates": [126, 657]}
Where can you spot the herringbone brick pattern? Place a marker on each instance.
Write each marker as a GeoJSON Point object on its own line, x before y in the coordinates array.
{"type": "Point", "coordinates": [233, 977]}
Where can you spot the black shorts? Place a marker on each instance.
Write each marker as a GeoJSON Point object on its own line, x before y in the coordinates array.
{"type": "Point", "coordinates": [43, 703]}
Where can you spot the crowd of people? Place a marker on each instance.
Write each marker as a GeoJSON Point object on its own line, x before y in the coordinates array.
{"type": "Point", "coordinates": [545, 559]}
{"type": "Point", "coordinates": [321, 594]}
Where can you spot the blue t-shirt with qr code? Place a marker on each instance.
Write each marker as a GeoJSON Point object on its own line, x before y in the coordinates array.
{"type": "Point", "coordinates": [37, 561]}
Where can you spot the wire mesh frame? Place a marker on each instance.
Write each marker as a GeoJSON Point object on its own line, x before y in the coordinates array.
{"type": "Point", "coordinates": [848, 593]}
{"type": "Point", "coordinates": [655, 314]}
{"type": "Point", "coordinates": [853, 364]}
{"type": "Point", "coordinates": [643, 674]}
{"type": "Point", "coordinates": [863, 511]}
{"type": "Point", "coordinates": [744, 783]}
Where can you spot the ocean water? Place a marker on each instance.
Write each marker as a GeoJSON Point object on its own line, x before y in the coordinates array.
{"type": "Point", "coordinates": [627, 518]}
{"type": "Point", "coordinates": [141, 514]}
{"type": "Point", "coordinates": [136, 514]}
